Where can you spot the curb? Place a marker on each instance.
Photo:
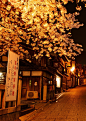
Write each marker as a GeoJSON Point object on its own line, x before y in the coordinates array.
{"type": "Point", "coordinates": [33, 113]}
{"type": "Point", "coordinates": [59, 95]}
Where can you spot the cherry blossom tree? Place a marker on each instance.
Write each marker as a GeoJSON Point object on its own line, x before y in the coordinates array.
{"type": "Point", "coordinates": [43, 24]}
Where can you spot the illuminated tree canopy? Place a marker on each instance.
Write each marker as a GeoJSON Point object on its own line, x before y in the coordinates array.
{"type": "Point", "coordinates": [43, 24]}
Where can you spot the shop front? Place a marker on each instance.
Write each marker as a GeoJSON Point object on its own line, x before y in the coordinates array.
{"type": "Point", "coordinates": [37, 85]}
{"type": "Point", "coordinates": [48, 87]}
{"type": "Point", "coordinates": [31, 85]}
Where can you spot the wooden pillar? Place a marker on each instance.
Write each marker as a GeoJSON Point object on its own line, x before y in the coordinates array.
{"type": "Point", "coordinates": [54, 88]}
{"type": "Point", "coordinates": [40, 85]}
{"type": "Point", "coordinates": [9, 104]}
{"type": "Point", "coordinates": [0, 98]}
{"type": "Point", "coordinates": [19, 91]}
{"type": "Point", "coordinates": [14, 104]}
{"type": "Point", "coordinates": [45, 93]}
{"type": "Point", "coordinates": [3, 101]}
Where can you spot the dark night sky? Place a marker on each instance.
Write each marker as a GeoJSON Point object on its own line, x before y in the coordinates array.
{"type": "Point", "coordinates": [79, 35]}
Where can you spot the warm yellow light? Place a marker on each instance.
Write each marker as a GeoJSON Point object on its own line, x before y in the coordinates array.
{"type": "Point", "coordinates": [58, 81]}
{"type": "Point", "coordinates": [0, 73]}
{"type": "Point", "coordinates": [72, 69]}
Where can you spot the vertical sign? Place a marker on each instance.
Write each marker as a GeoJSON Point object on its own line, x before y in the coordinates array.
{"type": "Point", "coordinates": [12, 77]}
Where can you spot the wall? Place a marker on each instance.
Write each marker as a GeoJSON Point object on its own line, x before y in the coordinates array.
{"type": "Point", "coordinates": [9, 114]}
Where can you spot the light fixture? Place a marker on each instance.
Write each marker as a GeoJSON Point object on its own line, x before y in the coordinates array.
{"type": "Point", "coordinates": [1, 74]}
{"type": "Point", "coordinates": [72, 69]}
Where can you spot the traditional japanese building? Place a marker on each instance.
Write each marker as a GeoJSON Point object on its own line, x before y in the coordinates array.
{"type": "Point", "coordinates": [39, 80]}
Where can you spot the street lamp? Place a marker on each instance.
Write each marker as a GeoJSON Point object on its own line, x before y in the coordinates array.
{"type": "Point", "coordinates": [72, 76]}
{"type": "Point", "coordinates": [72, 69]}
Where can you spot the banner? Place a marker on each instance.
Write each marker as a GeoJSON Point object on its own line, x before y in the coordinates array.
{"type": "Point", "coordinates": [12, 77]}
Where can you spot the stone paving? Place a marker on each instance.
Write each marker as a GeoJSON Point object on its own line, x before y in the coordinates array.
{"type": "Point", "coordinates": [69, 107]}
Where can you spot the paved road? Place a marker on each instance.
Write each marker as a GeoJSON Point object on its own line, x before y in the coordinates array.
{"type": "Point", "coordinates": [70, 107]}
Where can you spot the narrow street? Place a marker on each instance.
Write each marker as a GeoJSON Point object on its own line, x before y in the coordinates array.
{"type": "Point", "coordinates": [71, 106]}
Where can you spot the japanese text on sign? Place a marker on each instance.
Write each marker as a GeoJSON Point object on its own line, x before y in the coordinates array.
{"type": "Point", "coordinates": [12, 76]}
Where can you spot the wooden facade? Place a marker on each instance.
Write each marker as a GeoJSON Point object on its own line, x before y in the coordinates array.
{"type": "Point", "coordinates": [40, 76]}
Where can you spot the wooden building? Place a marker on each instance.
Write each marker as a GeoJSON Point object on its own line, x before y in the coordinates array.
{"type": "Point", "coordinates": [41, 79]}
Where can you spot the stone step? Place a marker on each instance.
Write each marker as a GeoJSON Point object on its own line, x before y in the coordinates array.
{"type": "Point", "coordinates": [26, 111]}
{"type": "Point", "coordinates": [24, 106]}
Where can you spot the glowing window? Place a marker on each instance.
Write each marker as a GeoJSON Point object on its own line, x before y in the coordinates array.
{"type": "Point", "coordinates": [58, 81]}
